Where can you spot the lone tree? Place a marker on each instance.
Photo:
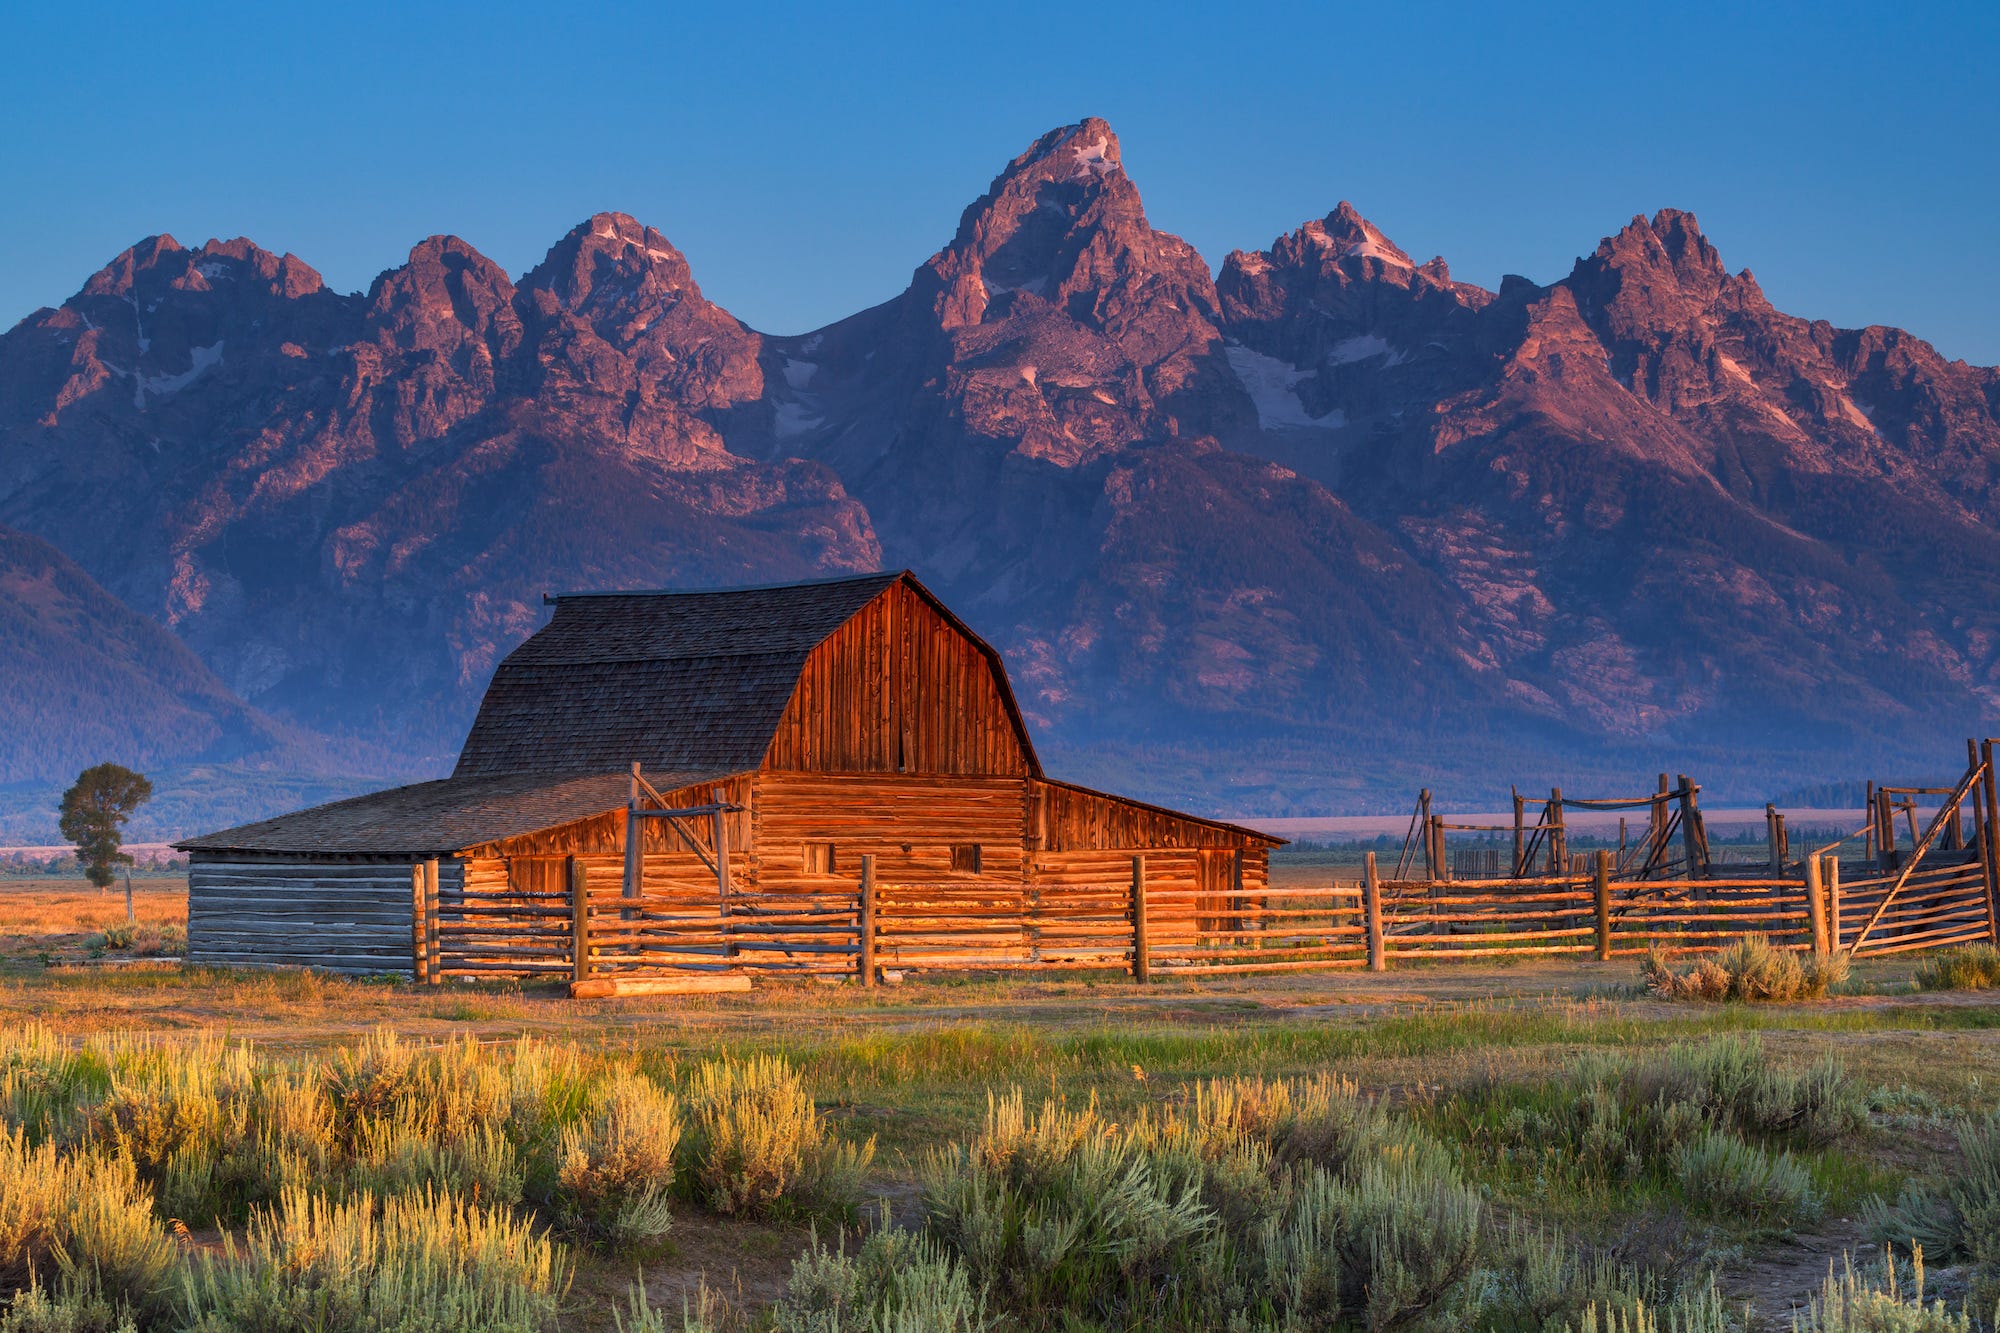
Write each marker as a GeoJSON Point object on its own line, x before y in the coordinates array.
{"type": "Point", "coordinates": [94, 812]}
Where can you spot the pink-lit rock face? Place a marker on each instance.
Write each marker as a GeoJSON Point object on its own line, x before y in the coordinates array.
{"type": "Point", "coordinates": [1330, 492]}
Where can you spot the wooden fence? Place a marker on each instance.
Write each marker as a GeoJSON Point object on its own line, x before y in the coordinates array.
{"type": "Point", "coordinates": [599, 939]}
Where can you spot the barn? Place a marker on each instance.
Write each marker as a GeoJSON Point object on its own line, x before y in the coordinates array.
{"type": "Point", "coordinates": [732, 748]}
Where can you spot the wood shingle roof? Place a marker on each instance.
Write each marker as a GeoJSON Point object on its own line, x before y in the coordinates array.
{"type": "Point", "coordinates": [694, 680]}
{"type": "Point", "coordinates": [439, 818]}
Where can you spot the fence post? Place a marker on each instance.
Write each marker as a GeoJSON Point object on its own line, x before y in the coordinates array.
{"type": "Point", "coordinates": [1142, 961]}
{"type": "Point", "coordinates": [1816, 904]}
{"type": "Point", "coordinates": [1990, 846]}
{"type": "Point", "coordinates": [1558, 834]}
{"type": "Point", "coordinates": [433, 950]}
{"type": "Point", "coordinates": [1371, 907]}
{"type": "Point", "coordinates": [867, 941]}
{"type": "Point", "coordinates": [1601, 890]}
{"type": "Point", "coordinates": [1830, 876]}
{"type": "Point", "coordinates": [420, 948]}
{"type": "Point", "coordinates": [577, 876]}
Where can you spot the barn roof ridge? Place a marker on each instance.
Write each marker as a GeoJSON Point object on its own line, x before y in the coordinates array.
{"type": "Point", "coordinates": [886, 575]}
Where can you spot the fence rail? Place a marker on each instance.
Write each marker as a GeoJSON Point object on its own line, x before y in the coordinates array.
{"type": "Point", "coordinates": [485, 928]}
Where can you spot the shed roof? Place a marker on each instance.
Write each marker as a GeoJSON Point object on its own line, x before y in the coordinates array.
{"type": "Point", "coordinates": [442, 817]}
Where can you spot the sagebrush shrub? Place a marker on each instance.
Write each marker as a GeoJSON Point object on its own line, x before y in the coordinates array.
{"type": "Point", "coordinates": [211, 1127]}
{"type": "Point", "coordinates": [615, 1168]}
{"type": "Point", "coordinates": [1751, 969]}
{"type": "Point", "coordinates": [1958, 1219]}
{"type": "Point", "coordinates": [758, 1143]}
{"type": "Point", "coordinates": [75, 1305]}
{"type": "Point", "coordinates": [1382, 1251]}
{"type": "Point", "coordinates": [363, 1267]}
{"type": "Point", "coordinates": [1249, 1200]}
{"type": "Point", "coordinates": [1973, 967]}
{"type": "Point", "coordinates": [1880, 1302]}
{"type": "Point", "coordinates": [1722, 1174]}
{"type": "Point", "coordinates": [62, 1213]}
{"type": "Point", "coordinates": [895, 1280]}
{"type": "Point", "coordinates": [1701, 1311]}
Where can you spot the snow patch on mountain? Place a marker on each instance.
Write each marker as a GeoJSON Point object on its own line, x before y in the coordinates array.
{"type": "Point", "coordinates": [165, 386]}
{"type": "Point", "coordinates": [1365, 347]}
{"type": "Point", "coordinates": [1273, 389]}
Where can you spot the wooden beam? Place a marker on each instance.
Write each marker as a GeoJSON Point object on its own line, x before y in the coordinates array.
{"type": "Point", "coordinates": [693, 983]}
{"type": "Point", "coordinates": [1558, 834]}
{"type": "Point", "coordinates": [433, 950]}
{"type": "Point", "coordinates": [577, 876]}
{"type": "Point", "coordinates": [1519, 833]}
{"type": "Point", "coordinates": [1690, 832]}
{"type": "Point", "coordinates": [420, 949]}
{"type": "Point", "coordinates": [1816, 904]}
{"type": "Point", "coordinates": [1371, 907]}
{"type": "Point", "coordinates": [1991, 843]}
{"type": "Point", "coordinates": [1601, 890]}
{"type": "Point", "coordinates": [866, 950]}
{"type": "Point", "coordinates": [1142, 953]}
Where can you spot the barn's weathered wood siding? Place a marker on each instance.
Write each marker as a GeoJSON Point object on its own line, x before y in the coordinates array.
{"type": "Point", "coordinates": [908, 823]}
{"type": "Point", "coordinates": [346, 915]}
{"type": "Point", "coordinates": [898, 688]}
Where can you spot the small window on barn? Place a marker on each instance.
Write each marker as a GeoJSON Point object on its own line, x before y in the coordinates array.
{"type": "Point", "coordinates": [965, 856]}
{"type": "Point", "coordinates": [819, 858]}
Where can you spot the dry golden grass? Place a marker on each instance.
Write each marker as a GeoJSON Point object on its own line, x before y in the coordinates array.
{"type": "Point", "coordinates": [45, 910]}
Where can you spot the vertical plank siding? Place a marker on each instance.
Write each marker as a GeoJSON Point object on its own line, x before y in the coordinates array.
{"type": "Point", "coordinates": [351, 916]}
{"type": "Point", "coordinates": [898, 689]}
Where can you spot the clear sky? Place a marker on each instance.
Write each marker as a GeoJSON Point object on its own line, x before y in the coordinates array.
{"type": "Point", "coordinates": [807, 157]}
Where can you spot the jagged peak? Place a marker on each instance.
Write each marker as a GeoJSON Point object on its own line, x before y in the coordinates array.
{"type": "Point", "coordinates": [116, 278]}
{"type": "Point", "coordinates": [615, 249]}
{"type": "Point", "coordinates": [1086, 150]}
{"type": "Point", "coordinates": [1344, 235]}
{"type": "Point", "coordinates": [444, 268]}
{"type": "Point", "coordinates": [1671, 236]}
{"type": "Point", "coordinates": [287, 274]}
{"type": "Point", "coordinates": [1083, 159]}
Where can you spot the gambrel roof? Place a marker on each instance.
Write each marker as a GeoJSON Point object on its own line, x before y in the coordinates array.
{"type": "Point", "coordinates": [673, 680]}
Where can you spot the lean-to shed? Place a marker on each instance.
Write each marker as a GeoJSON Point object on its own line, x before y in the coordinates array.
{"type": "Point", "coordinates": [809, 725]}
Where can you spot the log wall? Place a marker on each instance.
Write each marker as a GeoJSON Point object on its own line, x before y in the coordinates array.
{"type": "Point", "coordinates": [909, 824]}
{"type": "Point", "coordinates": [347, 916]}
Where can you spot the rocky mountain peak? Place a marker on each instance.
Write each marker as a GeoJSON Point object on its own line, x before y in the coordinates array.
{"type": "Point", "coordinates": [1061, 223]}
{"type": "Point", "coordinates": [1663, 259]}
{"type": "Point", "coordinates": [118, 277]}
{"type": "Point", "coordinates": [612, 259]}
{"type": "Point", "coordinates": [447, 291]}
{"type": "Point", "coordinates": [1345, 235]}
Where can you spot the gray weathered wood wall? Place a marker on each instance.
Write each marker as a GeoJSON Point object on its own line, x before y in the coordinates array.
{"type": "Point", "coordinates": [347, 916]}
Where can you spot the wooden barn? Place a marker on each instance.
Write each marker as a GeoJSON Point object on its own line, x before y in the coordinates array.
{"type": "Point", "coordinates": [763, 741]}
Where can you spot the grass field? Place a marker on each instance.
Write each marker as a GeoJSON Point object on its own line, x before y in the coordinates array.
{"type": "Point", "coordinates": [1535, 1089]}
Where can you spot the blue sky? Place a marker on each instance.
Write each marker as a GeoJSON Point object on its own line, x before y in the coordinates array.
{"type": "Point", "coordinates": [807, 157]}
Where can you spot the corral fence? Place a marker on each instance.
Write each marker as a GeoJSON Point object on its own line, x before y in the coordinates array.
{"type": "Point", "coordinates": [606, 943]}
{"type": "Point", "coordinates": [1662, 890]}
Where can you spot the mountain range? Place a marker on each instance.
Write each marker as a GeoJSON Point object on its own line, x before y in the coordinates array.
{"type": "Point", "coordinates": [1290, 536]}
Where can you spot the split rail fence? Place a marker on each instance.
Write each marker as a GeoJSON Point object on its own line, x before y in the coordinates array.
{"type": "Point", "coordinates": [604, 942]}
{"type": "Point", "coordinates": [607, 935]}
